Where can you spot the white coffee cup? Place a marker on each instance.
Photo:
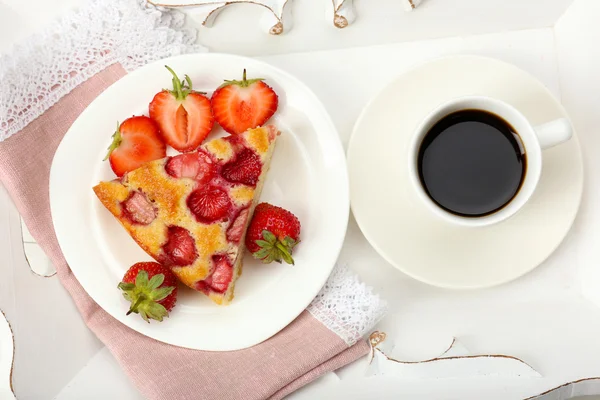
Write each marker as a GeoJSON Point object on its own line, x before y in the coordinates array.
{"type": "Point", "coordinates": [533, 139]}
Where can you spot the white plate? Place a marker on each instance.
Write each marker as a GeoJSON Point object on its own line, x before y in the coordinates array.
{"type": "Point", "coordinates": [308, 176]}
{"type": "Point", "coordinates": [404, 232]}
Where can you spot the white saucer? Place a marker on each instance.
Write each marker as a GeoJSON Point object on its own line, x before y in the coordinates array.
{"type": "Point", "coordinates": [404, 232]}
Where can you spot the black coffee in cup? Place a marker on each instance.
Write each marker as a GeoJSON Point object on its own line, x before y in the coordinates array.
{"type": "Point", "coordinates": [471, 163]}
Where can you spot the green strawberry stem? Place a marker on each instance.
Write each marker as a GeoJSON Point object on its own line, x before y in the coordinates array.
{"type": "Point", "coordinates": [273, 249]}
{"type": "Point", "coordinates": [180, 89]}
{"type": "Point", "coordinates": [243, 83]}
{"type": "Point", "coordinates": [285, 253]}
{"type": "Point", "coordinates": [134, 306]}
{"type": "Point", "coordinates": [189, 81]}
{"type": "Point", "coordinates": [117, 139]}
{"type": "Point", "coordinates": [145, 296]}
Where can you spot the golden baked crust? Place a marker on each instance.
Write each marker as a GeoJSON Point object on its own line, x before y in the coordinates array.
{"type": "Point", "coordinates": [166, 195]}
{"type": "Point", "coordinates": [221, 149]}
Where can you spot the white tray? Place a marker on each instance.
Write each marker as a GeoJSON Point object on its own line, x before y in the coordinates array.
{"type": "Point", "coordinates": [549, 318]}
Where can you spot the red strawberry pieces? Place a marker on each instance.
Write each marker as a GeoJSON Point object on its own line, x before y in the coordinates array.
{"type": "Point", "coordinates": [183, 166]}
{"type": "Point", "coordinates": [180, 249]}
{"type": "Point", "coordinates": [209, 204]}
{"type": "Point", "coordinates": [183, 115]}
{"type": "Point", "coordinates": [245, 168]}
{"type": "Point", "coordinates": [139, 209]}
{"type": "Point", "coordinates": [220, 278]}
{"type": "Point", "coordinates": [222, 275]}
{"type": "Point", "coordinates": [196, 166]}
{"type": "Point", "coordinates": [242, 105]}
{"type": "Point", "coordinates": [135, 142]}
{"type": "Point", "coordinates": [151, 289]}
{"type": "Point", "coordinates": [236, 229]}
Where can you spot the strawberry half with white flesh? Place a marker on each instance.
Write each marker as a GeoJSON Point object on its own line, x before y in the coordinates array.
{"type": "Point", "coordinates": [183, 115]}
{"type": "Point", "coordinates": [135, 142]}
{"type": "Point", "coordinates": [242, 105]}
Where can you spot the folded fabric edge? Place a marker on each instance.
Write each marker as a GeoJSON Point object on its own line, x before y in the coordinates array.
{"type": "Point", "coordinates": [50, 64]}
{"type": "Point", "coordinates": [353, 353]}
{"type": "Point", "coordinates": [347, 306]}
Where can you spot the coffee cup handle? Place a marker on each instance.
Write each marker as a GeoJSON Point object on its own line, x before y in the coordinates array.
{"type": "Point", "coordinates": [554, 132]}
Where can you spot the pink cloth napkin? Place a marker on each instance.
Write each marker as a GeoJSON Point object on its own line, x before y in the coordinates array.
{"type": "Point", "coordinates": [42, 92]}
{"type": "Point", "coordinates": [301, 352]}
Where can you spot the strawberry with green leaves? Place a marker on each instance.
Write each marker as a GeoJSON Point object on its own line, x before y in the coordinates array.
{"type": "Point", "coordinates": [272, 234]}
{"type": "Point", "coordinates": [151, 289]}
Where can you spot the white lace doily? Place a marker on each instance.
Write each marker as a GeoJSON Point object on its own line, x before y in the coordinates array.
{"type": "Point", "coordinates": [347, 306]}
{"type": "Point", "coordinates": [82, 43]}
{"type": "Point", "coordinates": [103, 32]}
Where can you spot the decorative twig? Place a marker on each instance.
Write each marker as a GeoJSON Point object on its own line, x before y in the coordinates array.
{"type": "Point", "coordinates": [411, 4]}
{"type": "Point", "coordinates": [7, 352]}
{"type": "Point", "coordinates": [207, 11]}
{"type": "Point", "coordinates": [38, 262]}
{"type": "Point", "coordinates": [344, 15]}
{"type": "Point", "coordinates": [454, 362]}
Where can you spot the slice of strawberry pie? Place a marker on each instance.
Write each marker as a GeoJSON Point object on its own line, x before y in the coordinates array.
{"type": "Point", "coordinates": [190, 212]}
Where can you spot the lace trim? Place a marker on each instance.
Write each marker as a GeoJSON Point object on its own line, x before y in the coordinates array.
{"type": "Point", "coordinates": [72, 49]}
{"type": "Point", "coordinates": [347, 306]}
{"type": "Point", "coordinates": [133, 33]}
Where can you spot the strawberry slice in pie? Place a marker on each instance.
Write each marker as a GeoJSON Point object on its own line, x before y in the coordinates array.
{"type": "Point", "coordinates": [190, 212]}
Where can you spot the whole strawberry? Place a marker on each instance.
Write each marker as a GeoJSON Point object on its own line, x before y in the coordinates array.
{"type": "Point", "coordinates": [151, 289]}
{"type": "Point", "coordinates": [272, 234]}
{"type": "Point", "coordinates": [242, 105]}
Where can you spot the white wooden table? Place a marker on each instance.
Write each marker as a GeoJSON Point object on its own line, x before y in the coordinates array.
{"type": "Point", "coordinates": [549, 318]}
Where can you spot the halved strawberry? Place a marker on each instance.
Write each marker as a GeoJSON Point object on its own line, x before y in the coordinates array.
{"type": "Point", "coordinates": [245, 168]}
{"type": "Point", "coordinates": [242, 105]}
{"type": "Point", "coordinates": [135, 142]}
{"type": "Point", "coordinates": [196, 166]}
{"type": "Point", "coordinates": [180, 248]}
{"type": "Point", "coordinates": [209, 204]}
{"type": "Point", "coordinates": [183, 115]}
